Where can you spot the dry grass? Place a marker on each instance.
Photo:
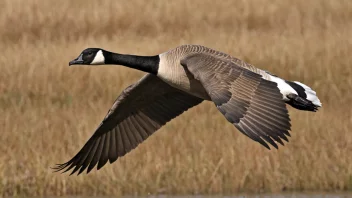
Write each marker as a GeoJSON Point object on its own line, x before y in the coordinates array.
{"type": "Point", "coordinates": [49, 110]}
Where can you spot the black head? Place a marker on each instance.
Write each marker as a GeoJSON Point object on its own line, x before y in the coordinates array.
{"type": "Point", "coordinates": [89, 56]}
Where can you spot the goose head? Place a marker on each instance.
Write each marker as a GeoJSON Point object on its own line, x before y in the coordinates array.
{"type": "Point", "coordinates": [90, 56]}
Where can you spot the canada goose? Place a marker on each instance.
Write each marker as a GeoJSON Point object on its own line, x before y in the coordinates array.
{"type": "Point", "coordinates": [250, 98]}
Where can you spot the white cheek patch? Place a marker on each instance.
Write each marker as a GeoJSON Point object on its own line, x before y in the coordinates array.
{"type": "Point", "coordinates": [99, 58]}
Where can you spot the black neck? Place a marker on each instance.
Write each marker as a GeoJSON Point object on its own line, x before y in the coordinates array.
{"type": "Point", "coordinates": [148, 64]}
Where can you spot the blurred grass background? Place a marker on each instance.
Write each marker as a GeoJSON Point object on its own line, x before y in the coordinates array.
{"type": "Point", "coordinates": [49, 110]}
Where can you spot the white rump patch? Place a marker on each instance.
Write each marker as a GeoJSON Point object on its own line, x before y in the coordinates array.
{"type": "Point", "coordinates": [285, 88]}
{"type": "Point", "coordinates": [99, 58]}
{"type": "Point", "coordinates": [311, 95]}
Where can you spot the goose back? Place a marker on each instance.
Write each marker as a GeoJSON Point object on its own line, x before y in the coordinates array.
{"type": "Point", "coordinates": [172, 72]}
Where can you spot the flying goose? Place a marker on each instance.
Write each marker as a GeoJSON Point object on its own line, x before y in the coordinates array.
{"type": "Point", "coordinates": [250, 98]}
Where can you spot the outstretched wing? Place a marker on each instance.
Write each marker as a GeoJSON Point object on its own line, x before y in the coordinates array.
{"type": "Point", "coordinates": [254, 105]}
{"type": "Point", "coordinates": [140, 110]}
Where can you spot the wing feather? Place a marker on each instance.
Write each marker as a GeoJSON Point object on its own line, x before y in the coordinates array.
{"type": "Point", "coordinates": [251, 103]}
{"type": "Point", "coordinates": [140, 110]}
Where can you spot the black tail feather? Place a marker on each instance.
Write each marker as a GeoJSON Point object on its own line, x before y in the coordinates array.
{"type": "Point", "coordinates": [301, 103]}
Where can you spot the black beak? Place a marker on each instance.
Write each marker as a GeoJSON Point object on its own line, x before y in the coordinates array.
{"type": "Point", "coordinates": [76, 61]}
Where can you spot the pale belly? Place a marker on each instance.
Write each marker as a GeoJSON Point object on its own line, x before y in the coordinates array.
{"type": "Point", "coordinates": [181, 79]}
{"type": "Point", "coordinates": [193, 87]}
